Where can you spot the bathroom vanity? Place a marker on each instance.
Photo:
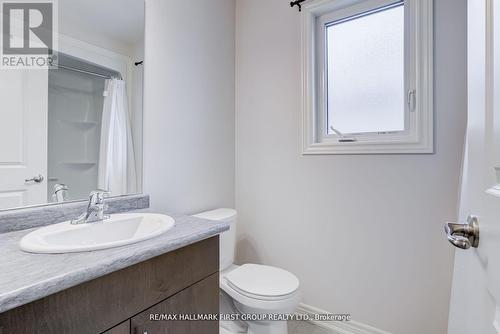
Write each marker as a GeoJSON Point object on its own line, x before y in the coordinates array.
{"type": "Point", "coordinates": [114, 291]}
{"type": "Point", "coordinates": [181, 282]}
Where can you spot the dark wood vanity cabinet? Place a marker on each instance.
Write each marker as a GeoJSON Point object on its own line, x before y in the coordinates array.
{"type": "Point", "coordinates": [193, 300]}
{"type": "Point", "coordinates": [185, 281]}
{"type": "Point", "coordinates": [123, 328]}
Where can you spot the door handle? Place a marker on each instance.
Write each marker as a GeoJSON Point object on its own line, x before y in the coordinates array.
{"type": "Point", "coordinates": [463, 236]}
{"type": "Point", "coordinates": [37, 179]}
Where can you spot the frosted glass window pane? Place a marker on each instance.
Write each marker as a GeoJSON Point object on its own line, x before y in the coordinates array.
{"type": "Point", "coordinates": [365, 61]}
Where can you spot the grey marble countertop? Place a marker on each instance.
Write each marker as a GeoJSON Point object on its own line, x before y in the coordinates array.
{"type": "Point", "coordinates": [26, 277]}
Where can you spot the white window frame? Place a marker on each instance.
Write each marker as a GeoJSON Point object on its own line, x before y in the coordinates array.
{"type": "Point", "coordinates": [418, 135]}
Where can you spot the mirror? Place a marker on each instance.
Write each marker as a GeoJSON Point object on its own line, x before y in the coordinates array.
{"type": "Point", "coordinates": [76, 125]}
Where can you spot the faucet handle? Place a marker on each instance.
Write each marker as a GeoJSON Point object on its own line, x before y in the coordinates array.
{"type": "Point", "coordinates": [97, 196]}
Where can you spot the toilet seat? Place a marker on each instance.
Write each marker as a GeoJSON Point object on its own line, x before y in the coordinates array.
{"type": "Point", "coordinates": [262, 282]}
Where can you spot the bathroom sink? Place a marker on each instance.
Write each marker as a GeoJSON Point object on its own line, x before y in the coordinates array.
{"type": "Point", "coordinates": [119, 230]}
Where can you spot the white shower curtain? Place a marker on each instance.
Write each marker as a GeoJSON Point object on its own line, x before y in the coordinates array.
{"type": "Point", "coordinates": [117, 172]}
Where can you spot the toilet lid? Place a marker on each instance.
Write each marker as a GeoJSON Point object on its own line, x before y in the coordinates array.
{"type": "Point", "coordinates": [262, 280]}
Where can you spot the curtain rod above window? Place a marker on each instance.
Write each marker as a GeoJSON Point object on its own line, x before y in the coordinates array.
{"type": "Point", "coordinates": [297, 3]}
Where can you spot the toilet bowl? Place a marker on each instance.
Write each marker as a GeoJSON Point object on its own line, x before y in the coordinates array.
{"type": "Point", "coordinates": [258, 295]}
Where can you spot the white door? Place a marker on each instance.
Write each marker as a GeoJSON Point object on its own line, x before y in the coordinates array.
{"type": "Point", "coordinates": [23, 137]}
{"type": "Point", "coordinates": [475, 301]}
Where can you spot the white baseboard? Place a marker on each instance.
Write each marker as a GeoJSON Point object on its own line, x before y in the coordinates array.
{"type": "Point", "coordinates": [338, 327]}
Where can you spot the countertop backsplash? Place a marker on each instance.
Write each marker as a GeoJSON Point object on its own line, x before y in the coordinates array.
{"type": "Point", "coordinates": [36, 216]}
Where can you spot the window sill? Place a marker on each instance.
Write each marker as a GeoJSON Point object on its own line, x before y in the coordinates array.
{"type": "Point", "coordinates": [334, 148]}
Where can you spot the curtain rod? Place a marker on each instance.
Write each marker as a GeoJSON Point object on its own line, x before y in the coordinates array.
{"type": "Point", "coordinates": [87, 72]}
{"type": "Point", "coordinates": [297, 3]}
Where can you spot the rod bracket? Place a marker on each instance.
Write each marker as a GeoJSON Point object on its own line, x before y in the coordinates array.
{"type": "Point", "coordinates": [297, 3]}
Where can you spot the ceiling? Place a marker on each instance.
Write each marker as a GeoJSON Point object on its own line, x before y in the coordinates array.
{"type": "Point", "coordinates": [119, 20]}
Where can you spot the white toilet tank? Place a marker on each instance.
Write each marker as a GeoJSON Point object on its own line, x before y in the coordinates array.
{"type": "Point", "coordinates": [227, 241]}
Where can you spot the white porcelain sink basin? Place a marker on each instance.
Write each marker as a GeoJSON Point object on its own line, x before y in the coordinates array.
{"type": "Point", "coordinates": [119, 230]}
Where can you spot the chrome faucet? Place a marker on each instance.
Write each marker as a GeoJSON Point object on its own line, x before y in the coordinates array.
{"type": "Point", "coordinates": [60, 193]}
{"type": "Point", "coordinates": [95, 209]}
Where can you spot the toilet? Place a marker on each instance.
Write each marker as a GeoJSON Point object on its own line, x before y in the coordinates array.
{"type": "Point", "coordinates": [253, 292]}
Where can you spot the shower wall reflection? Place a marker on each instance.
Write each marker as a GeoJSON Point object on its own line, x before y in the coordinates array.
{"type": "Point", "coordinates": [74, 130]}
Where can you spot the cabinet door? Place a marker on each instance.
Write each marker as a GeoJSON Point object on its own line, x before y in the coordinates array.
{"type": "Point", "coordinates": [123, 328]}
{"type": "Point", "coordinates": [200, 298]}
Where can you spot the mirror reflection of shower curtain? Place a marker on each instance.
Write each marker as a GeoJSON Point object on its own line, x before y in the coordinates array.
{"type": "Point", "coordinates": [117, 172]}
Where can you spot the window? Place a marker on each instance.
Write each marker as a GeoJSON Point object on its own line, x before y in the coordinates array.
{"type": "Point", "coordinates": [367, 77]}
{"type": "Point", "coordinates": [369, 48]}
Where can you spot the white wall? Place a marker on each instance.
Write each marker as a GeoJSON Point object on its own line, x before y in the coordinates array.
{"type": "Point", "coordinates": [76, 32]}
{"type": "Point", "coordinates": [97, 40]}
{"type": "Point", "coordinates": [189, 104]}
{"type": "Point", "coordinates": [363, 233]}
{"type": "Point", "coordinates": [102, 23]}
